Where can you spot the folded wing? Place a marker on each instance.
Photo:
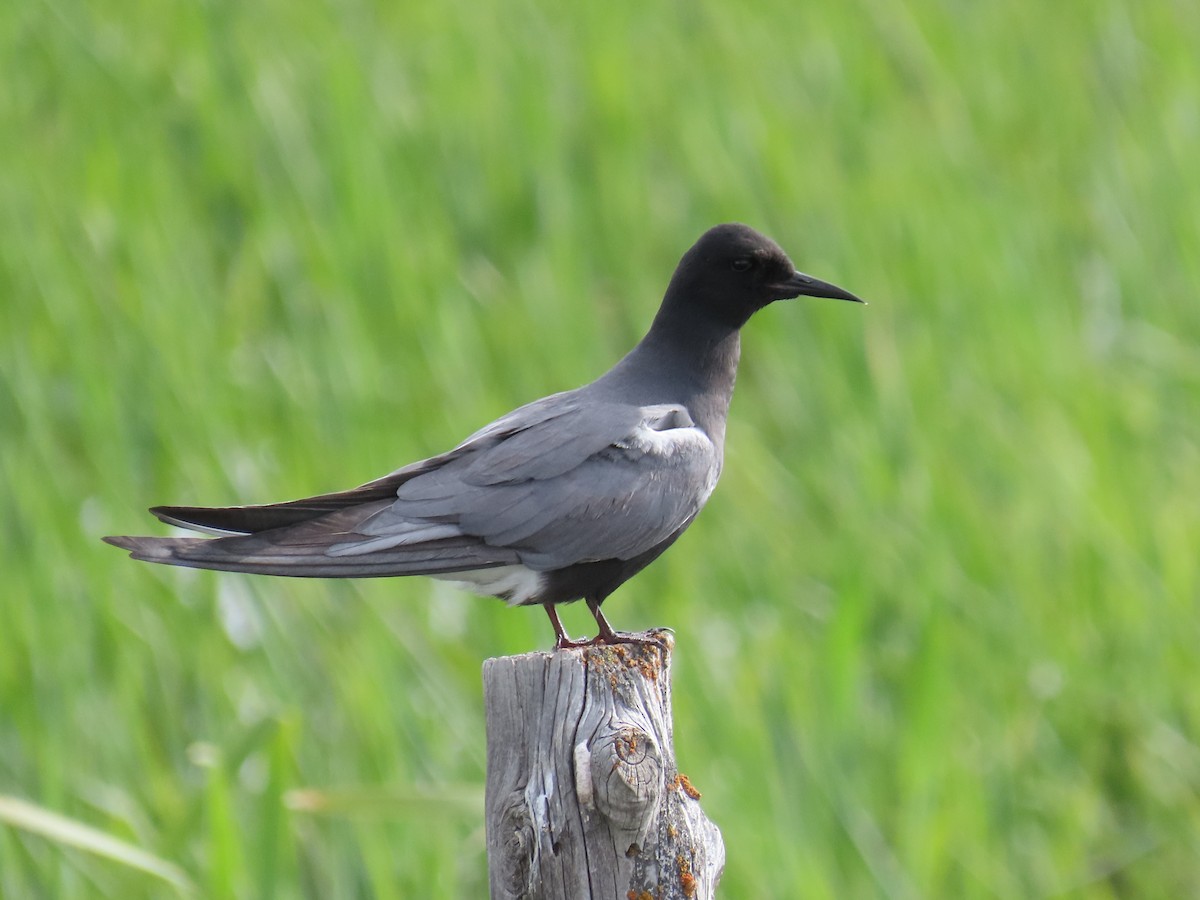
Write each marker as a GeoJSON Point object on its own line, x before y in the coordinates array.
{"type": "Point", "coordinates": [550, 485]}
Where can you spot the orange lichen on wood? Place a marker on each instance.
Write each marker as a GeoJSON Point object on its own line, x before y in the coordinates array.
{"type": "Point", "coordinates": [682, 783]}
{"type": "Point", "coordinates": [647, 661]}
{"type": "Point", "coordinates": [687, 880]}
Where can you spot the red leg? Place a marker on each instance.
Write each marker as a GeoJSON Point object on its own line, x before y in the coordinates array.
{"type": "Point", "coordinates": [562, 640]}
{"type": "Point", "coordinates": [609, 635]}
{"type": "Point", "coordinates": [560, 633]}
{"type": "Point", "coordinates": [606, 635]}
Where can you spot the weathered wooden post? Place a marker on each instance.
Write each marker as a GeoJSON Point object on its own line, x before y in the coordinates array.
{"type": "Point", "coordinates": [584, 801]}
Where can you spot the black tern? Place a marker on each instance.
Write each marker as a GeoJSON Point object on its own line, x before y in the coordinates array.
{"type": "Point", "coordinates": [563, 499]}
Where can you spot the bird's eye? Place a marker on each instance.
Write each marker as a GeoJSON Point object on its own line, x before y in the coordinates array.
{"type": "Point", "coordinates": [743, 264]}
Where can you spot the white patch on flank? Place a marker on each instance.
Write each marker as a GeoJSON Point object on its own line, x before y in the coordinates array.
{"type": "Point", "coordinates": [516, 583]}
{"type": "Point", "coordinates": [668, 432]}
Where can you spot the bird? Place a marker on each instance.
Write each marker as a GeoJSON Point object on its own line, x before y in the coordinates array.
{"type": "Point", "coordinates": [562, 499]}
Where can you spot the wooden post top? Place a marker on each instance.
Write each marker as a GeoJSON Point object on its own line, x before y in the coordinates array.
{"type": "Point", "coordinates": [584, 799]}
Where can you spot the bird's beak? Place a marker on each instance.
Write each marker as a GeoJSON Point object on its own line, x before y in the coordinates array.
{"type": "Point", "coordinates": [801, 284]}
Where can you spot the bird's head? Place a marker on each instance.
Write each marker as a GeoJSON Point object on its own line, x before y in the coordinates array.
{"type": "Point", "coordinates": [733, 271]}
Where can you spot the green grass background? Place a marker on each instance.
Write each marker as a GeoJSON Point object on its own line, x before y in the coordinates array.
{"type": "Point", "coordinates": [938, 628]}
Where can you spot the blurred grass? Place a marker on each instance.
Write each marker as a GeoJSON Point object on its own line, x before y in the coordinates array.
{"type": "Point", "coordinates": [937, 632]}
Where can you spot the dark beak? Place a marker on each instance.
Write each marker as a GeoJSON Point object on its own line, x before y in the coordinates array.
{"type": "Point", "coordinates": [801, 284]}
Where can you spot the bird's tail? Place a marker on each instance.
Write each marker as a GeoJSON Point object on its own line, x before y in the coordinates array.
{"type": "Point", "coordinates": [214, 553]}
{"type": "Point", "coordinates": [325, 547]}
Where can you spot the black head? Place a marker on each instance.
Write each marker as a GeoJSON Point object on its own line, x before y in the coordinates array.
{"type": "Point", "coordinates": [733, 271]}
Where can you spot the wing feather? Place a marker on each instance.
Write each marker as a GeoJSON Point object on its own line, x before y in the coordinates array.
{"type": "Point", "coordinates": [552, 484]}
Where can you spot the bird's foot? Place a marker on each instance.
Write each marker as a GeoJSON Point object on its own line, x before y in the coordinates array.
{"type": "Point", "coordinates": [662, 638]}
{"type": "Point", "coordinates": [562, 640]}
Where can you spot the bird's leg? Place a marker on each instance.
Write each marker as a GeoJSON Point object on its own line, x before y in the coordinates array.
{"type": "Point", "coordinates": [606, 634]}
{"type": "Point", "coordinates": [560, 634]}
{"type": "Point", "coordinates": [659, 637]}
{"type": "Point", "coordinates": [562, 640]}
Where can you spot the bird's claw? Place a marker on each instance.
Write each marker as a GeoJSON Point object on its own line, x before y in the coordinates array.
{"type": "Point", "coordinates": [663, 638]}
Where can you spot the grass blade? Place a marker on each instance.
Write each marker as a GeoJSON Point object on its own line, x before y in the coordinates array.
{"type": "Point", "coordinates": [69, 832]}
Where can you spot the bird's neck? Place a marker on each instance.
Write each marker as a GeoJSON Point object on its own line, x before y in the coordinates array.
{"type": "Point", "coordinates": [691, 362]}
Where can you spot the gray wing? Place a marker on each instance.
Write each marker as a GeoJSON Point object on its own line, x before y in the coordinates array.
{"type": "Point", "coordinates": [572, 483]}
{"type": "Point", "coordinates": [557, 482]}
